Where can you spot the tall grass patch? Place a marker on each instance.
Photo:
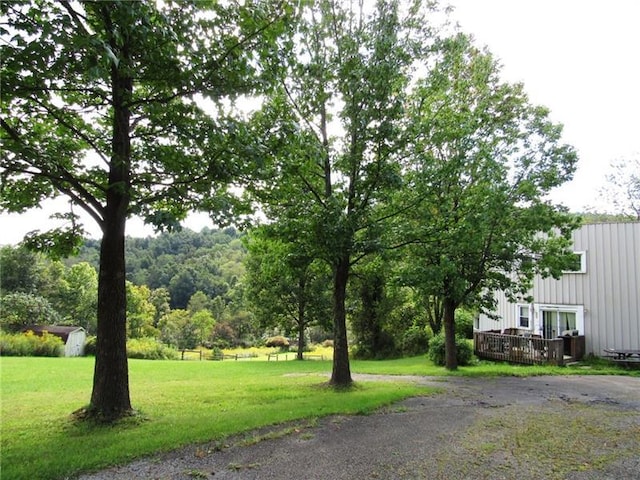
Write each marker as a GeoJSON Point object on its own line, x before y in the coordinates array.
{"type": "Point", "coordinates": [150, 349]}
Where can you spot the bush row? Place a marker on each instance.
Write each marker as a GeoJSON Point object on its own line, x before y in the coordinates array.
{"type": "Point", "coordinates": [150, 349]}
{"type": "Point", "coordinates": [30, 345]}
{"type": "Point", "coordinates": [47, 345]}
{"type": "Point", "coordinates": [146, 348]}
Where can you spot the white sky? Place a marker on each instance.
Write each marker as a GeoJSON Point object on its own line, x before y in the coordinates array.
{"type": "Point", "coordinates": [580, 59]}
{"type": "Point", "coordinates": [577, 57]}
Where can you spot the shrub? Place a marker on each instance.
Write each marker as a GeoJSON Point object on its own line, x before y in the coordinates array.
{"type": "Point", "coordinates": [381, 346]}
{"type": "Point", "coordinates": [328, 343]}
{"type": "Point", "coordinates": [14, 345]}
{"type": "Point", "coordinates": [150, 349]}
{"type": "Point", "coordinates": [29, 344]}
{"type": "Point", "coordinates": [464, 352]}
{"type": "Point", "coordinates": [216, 354]}
{"type": "Point", "coordinates": [464, 323]}
{"type": "Point", "coordinates": [318, 335]}
{"type": "Point", "coordinates": [415, 341]}
{"type": "Point", "coordinates": [90, 346]}
{"type": "Point", "coordinates": [223, 335]}
{"type": "Point", "coordinates": [278, 341]}
{"type": "Point", "coordinates": [46, 345]}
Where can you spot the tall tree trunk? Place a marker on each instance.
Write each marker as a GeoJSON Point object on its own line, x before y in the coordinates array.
{"type": "Point", "coordinates": [300, 355]}
{"type": "Point", "coordinates": [301, 317]}
{"type": "Point", "coordinates": [434, 309]}
{"type": "Point", "coordinates": [341, 374]}
{"type": "Point", "coordinates": [451, 359]}
{"type": "Point", "coordinates": [110, 398]}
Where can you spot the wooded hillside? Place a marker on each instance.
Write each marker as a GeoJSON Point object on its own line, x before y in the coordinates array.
{"type": "Point", "coordinates": [183, 262]}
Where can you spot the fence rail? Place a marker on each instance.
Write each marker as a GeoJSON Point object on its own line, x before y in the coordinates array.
{"type": "Point", "coordinates": [234, 356]}
{"type": "Point", "coordinates": [201, 355]}
{"type": "Point", "coordinates": [519, 349]}
{"type": "Point", "coordinates": [188, 357]}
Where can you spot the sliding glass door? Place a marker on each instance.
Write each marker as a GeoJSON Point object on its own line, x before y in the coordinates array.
{"type": "Point", "coordinates": [556, 321]}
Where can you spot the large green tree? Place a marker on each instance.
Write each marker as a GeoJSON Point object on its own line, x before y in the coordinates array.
{"type": "Point", "coordinates": [286, 287]}
{"type": "Point", "coordinates": [77, 297]}
{"type": "Point", "coordinates": [20, 270]}
{"type": "Point", "coordinates": [20, 309]}
{"type": "Point", "coordinates": [103, 103]}
{"type": "Point", "coordinates": [141, 312]}
{"type": "Point", "coordinates": [483, 160]}
{"type": "Point", "coordinates": [336, 130]}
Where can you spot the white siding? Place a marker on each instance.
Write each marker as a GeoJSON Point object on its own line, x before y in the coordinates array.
{"type": "Point", "coordinates": [75, 343]}
{"type": "Point", "coordinates": [609, 290]}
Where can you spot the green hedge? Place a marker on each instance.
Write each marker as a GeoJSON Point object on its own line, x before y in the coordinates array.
{"type": "Point", "coordinates": [29, 344]}
{"type": "Point", "coordinates": [150, 349]}
{"type": "Point", "coordinates": [464, 352]}
{"type": "Point", "coordinates": [147, 348]}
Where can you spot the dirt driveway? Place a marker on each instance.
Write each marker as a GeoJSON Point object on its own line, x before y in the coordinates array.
{"type": "Point", "coordinates": [574, 428]}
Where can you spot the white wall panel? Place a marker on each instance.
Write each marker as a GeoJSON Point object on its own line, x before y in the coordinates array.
{"type": "Point", "coordinates": [609, 290]}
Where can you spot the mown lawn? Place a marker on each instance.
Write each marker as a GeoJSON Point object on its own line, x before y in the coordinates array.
{"type": "Point", "coordinates": [180, 402]}
{"type": "Point", "coordinates": [183, 402]}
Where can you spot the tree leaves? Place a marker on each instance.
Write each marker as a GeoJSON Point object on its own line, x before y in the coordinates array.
{"type": "Point", "coordinates": [56, 118]}
{"type": "Point", "coordinates": [482, 161]}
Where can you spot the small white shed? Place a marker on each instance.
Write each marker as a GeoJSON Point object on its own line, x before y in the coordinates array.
{"type": "Point", "coordinates": [73, 337]}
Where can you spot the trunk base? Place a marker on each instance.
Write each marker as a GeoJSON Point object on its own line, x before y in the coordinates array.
{"type": "Point", "coordinates": [93, 415]}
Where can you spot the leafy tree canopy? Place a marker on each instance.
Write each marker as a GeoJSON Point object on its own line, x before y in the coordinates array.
{"type": "Point", "coordinates": [483, 160]}
{"type": "Point", "coordinates": [103, 103]}
{"type": "Point", "coordinates": [333, 135]}
{"type": "Point", "coordinates": [59, 68]}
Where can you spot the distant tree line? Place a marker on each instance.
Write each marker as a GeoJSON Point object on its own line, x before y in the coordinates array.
{"type": "Point", "coordinates": [183, 262]}
{"type": "Point", "coordinates": [183, 288]}
{"type": "Point", "coordinates": [219, 288]}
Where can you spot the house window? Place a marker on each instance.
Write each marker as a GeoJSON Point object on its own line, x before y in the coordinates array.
{"type": "Point", "coordinates": [578, 264]}
{"type": "Point", "coordinates": [523, 316]}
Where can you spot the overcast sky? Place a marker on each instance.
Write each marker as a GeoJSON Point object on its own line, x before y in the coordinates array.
{"type": "Point", "coordinates": [577, 57]}
{"type": "Point", "coordinates": [580, 59]}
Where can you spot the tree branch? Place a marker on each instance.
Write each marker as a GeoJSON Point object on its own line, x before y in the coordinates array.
{"type": "Point", "coordinates": [59, 176]}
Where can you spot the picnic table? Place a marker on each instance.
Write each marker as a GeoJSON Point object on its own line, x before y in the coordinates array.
{"type": "Point", "coordinates": [624, 356]}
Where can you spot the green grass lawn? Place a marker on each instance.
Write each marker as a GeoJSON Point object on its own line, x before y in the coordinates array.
{"type": "Point", "coordinates": [180, 403]}
{"type": "Point", "coordinates": [183, 402]}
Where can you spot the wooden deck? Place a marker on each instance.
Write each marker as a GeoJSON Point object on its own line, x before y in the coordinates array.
{"type": "Point", "coordinates": [528, 349]}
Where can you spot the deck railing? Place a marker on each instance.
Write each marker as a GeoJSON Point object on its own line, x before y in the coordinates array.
{"type": "Point", "coordinates": [519, 349]}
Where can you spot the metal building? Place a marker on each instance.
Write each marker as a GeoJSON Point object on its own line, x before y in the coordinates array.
{"type": "Point", "coordinates": [600, 299]}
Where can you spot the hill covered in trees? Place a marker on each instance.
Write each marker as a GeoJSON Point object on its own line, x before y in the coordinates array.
{"type": "Point", "coordinates": [183, 288]}
{"type": "Point", "coordinates": [183, 262]}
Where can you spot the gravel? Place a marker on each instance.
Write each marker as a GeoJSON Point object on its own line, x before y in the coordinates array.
{"type": "Point", "coordinates": [573, 428]}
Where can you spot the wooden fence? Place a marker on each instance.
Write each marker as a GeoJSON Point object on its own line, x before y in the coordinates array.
{"type": "Point", "coordinates": [200, 355]}
{"type": "Point", "coordinates": [520, 349]}
{"type": "Point", "coordinates": [235, 356]}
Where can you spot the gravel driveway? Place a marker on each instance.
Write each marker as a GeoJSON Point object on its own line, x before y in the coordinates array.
{"type": "Point", "coordinates": [574, 428]}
